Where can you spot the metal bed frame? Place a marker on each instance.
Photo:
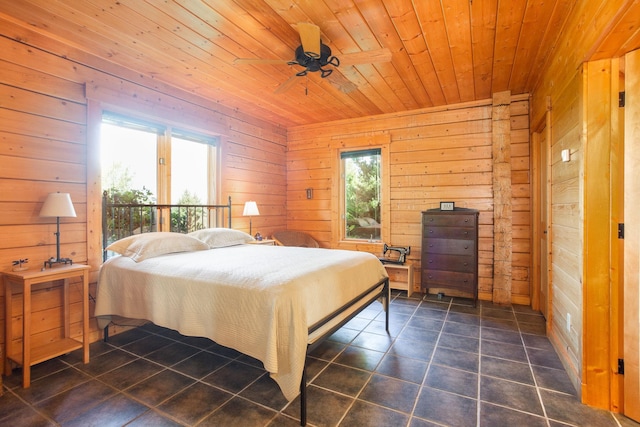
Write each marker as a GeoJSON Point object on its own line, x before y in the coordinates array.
{"type": "Point", "coordinates": [142, 218]}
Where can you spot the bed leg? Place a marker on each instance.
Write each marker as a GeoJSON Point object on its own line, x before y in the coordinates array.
{"type": "Point", "coordinates": [303, 395]}
{"type": "Point", "coordinates": [106, 334]}
{"type": "Point", "coordinates": [387, 297]}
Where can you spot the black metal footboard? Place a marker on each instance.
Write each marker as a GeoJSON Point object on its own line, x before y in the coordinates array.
{"type": "Point", "coordinates": [365, 298]}
{"type": "Point", "coordinates": [384, 294]}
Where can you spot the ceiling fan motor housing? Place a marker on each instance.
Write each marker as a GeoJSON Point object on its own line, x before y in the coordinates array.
{"type": "Point", "coordinates": [314, 64]}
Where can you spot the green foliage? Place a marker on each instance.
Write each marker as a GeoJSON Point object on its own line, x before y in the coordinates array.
{"type": "Point", "coordinates": [124, 222]}
{"type": "Point", "coordinates": [362, 180]}
{"type": "Point", "coordinates": [185, 220]}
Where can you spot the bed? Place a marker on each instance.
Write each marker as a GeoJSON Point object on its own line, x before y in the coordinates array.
{"type": "Point", "coordinates": [273, 303]}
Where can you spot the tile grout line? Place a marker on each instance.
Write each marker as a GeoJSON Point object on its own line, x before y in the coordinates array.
{"type": "Point", "coordinates": [533, 376]}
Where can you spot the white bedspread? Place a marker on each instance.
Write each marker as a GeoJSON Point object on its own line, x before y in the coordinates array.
{"type": "Point", "coordinates": [256, 299]}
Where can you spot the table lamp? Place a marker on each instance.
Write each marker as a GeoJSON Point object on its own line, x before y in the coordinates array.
{"type": "Point", "coordinates": [58, 205]}
{"type": "Point", "coordinates": [250, 209]}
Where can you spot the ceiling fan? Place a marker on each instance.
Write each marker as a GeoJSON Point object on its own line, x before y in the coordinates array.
{"type": "Point", "coordinates": [315, 56]}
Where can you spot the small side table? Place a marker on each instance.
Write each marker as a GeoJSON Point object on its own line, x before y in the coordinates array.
{"type": "Point", "coordinates": [28, 356]}
{"type": "Point", "coordinates": [400, 276]}
{"type": "Point", "coordinates": [268, 242]}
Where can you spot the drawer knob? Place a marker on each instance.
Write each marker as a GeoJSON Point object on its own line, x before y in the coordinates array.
{"type": "Point", "coordinates": [466, 247]}
{"type": "Point", "coordinates": [430, 231]}
{"type": "Point", "coordinates": [430, 277]}
{"type": "Point", "coordinates": [465, 264]}
{"type": "Point", "coordinates": [431, 245]}
{"type": "Point", "coordinates": [465, 281]}
{"type": "Point", "coordinates": [466, 232]}
{"type": "Point", "coordinates": [466, 220]}
{"type": "Point", "coordinates": [430, 261]}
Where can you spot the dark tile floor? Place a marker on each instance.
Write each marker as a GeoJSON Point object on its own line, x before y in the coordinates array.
{"type": "Point", "coordinates": [444, 363]}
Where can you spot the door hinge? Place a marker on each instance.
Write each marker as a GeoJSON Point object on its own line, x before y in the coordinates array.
{"type": "Point", "coordinates": [621, 366]}
{"type": "Point", "coordinates": [621, 231]}
{"type": "Point", "coordinates": [621, 99]}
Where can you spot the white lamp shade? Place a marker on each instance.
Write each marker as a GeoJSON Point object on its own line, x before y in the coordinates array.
{"type": "Point", "coordinates": [58, 205]}
{"type": "Point", "coordinates": [250, 209]}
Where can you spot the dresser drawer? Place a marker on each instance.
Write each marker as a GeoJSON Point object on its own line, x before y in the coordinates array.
{"type": "Point", "coordinates": [449, 246]}
{"type": "Point", "coordinates": [461, 263]}
{"type": "Point", "coordinates": [464, 282]}
{"type": "Point", "coordinates": [431, 231]}
{"type": "Point", "coordinates": [464, 220]}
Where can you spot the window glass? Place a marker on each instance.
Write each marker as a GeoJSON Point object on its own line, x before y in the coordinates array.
{"type": "Point", "coordinates": [189, 172]}
{"type": "Point", "coordinates": [128, 158]}
{"type": "Point", "coordinates": [146, 163]}
{"type": "Point", "coordinates": [362, 196]}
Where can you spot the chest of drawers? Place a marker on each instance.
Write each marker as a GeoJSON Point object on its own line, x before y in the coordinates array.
{"type": "Point", "coordinates": [449, 258]}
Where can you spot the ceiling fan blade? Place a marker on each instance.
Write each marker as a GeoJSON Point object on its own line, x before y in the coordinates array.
{"type": "Point", "coordinates": [286, 85]}
{"type": "Point", "coordinates": [240, 61]}
{"type": "Point", "coordinates": [367, 57]}
{"type": "Point", "coordinates": [341, 83]}
{"type": "Point", "coordinates": [310, 38]}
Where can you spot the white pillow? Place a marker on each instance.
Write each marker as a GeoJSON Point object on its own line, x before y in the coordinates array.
{"type": "Point", "coordinates": [148, 245]}
{"type": "Point", "coordinates": [221, 237]}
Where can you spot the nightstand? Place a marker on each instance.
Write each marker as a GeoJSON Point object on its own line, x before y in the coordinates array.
{"type": "Point", "coordinates": [29, 355]}
{"type": "Point", "coordinates": [268, 242]}
{"type": "Point", "coordinates": [400, 276]}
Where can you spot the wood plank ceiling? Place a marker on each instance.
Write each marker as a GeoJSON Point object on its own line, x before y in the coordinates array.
{"type": "Point", "coordinates": [442, 51]}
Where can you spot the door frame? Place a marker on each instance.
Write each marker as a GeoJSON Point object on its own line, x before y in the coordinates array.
{"type": "Point", "coordinates": [537, 274]}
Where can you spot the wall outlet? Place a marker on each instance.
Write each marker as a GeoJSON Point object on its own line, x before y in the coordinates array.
{"type": "Point", "coordinates": [568, 322]}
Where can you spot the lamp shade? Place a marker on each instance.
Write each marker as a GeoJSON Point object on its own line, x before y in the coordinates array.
{"type": "Point", "coordinates": [250, 209]}
{"type": "Point", "coordinates": [58, 205]}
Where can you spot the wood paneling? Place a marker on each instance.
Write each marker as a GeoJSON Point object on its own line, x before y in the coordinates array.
{"type": "Point", "coordinates": [442, 52]}
{"type": "Point", "coordinates": [46, 143]}
{"type": "Point", "coordinates": [434, 154]}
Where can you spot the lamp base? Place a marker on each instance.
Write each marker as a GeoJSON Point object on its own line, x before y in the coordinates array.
{"type": "Point", "coordinates": [50, 262]}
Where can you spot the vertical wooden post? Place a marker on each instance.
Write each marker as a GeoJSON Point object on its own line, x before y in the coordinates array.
{"type": "Point", "coordinates": [596, 331]}
{"type": "Point", "coordinates": [502, 209]}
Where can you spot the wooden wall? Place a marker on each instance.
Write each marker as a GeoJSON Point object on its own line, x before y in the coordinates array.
{"type": "Point", "coordinates": [49, 110]}
{"type": "Point", "coordinates": [434, 154]}
{"type": "Point", "coordinates": [583, 322]}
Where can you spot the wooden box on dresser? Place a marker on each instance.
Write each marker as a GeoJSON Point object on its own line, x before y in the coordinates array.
{"type": "Point", "coordinates": [449, 258]}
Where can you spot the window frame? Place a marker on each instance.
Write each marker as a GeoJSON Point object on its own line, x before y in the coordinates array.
{"type": "Point", "coordinates": [164, 132]}
{"type": "Point", "coordinates": [339, 239]}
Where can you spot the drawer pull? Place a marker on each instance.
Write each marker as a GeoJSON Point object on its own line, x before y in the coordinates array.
{"type": "Point", "coordinates": [466, 233]}
{"type": "Point", "coordinates": [466, 247]}
{"type": "Point", "coordinates": [430, 261]}
{"type": "Point", "coordinates": [430, 245]}
{"type": "Point", "coordinates": [466, 220]}
{"type": "Point", "coordinates": [430, 277]}
{"type": "Point", "coordinates": [430, 231]}
{"type": "Point", "coordinates": [465, 264]}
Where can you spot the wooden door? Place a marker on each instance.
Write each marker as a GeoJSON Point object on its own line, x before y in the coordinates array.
{"type": "Point", "coordinates": [632, 237]}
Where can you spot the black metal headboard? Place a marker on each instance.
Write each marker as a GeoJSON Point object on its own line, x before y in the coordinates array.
{"type": "Point", "coordinates": [121, 220]}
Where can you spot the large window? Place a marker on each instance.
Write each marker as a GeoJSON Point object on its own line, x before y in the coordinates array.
{"type": "Point", "coordinates": [362, 194]}
{"type": "Point", "coordinates": [146, 164]}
